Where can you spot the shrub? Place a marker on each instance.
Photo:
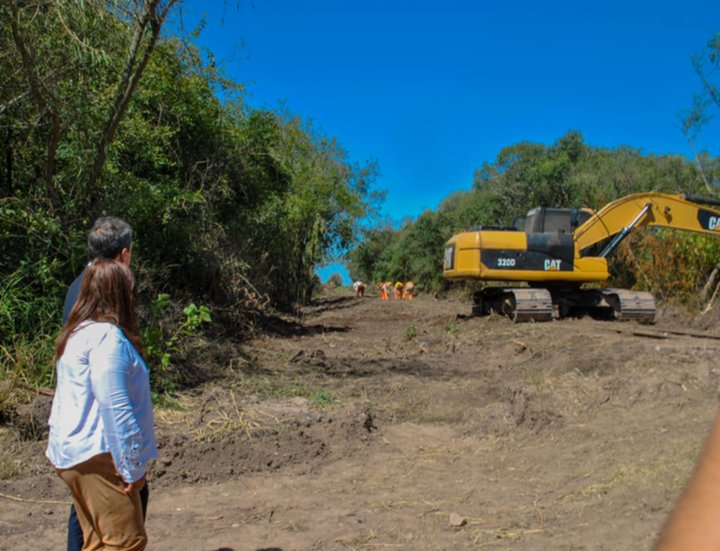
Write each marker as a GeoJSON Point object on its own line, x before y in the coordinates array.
{"type": "Point", "coordinates": [335, 280]}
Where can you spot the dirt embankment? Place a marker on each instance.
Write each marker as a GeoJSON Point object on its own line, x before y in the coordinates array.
{"type": "Point", "coordinates": [409, 425]}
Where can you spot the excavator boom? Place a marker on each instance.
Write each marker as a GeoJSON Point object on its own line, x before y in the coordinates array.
{"type": "Point", "coordinates": [682, 212]}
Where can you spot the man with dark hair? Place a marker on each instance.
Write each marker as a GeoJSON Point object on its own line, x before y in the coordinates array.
{"type": "Point", "coordinates": [109, 238]}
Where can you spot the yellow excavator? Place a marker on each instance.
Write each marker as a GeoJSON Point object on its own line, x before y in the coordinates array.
{"type": "Point", "coordinates": [556, 251]}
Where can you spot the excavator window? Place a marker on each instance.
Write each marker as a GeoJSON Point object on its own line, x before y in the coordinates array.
{"type": "Point", "coordinates": [519, 223]}
{"type": "Point", "coordinates": [551, 220]}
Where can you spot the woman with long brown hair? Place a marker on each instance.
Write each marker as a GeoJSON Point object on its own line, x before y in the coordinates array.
{"type": "Point", "coordinates": [101, 423]}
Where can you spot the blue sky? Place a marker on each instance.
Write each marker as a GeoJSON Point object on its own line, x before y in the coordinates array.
{"type": "Point", "coordinates": [432, 89]}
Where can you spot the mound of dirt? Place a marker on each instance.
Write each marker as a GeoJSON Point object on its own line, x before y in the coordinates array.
{"type": "Point", "coordinates": [31, 419]}
{"type": "Point", "coordinates": [249, 435]}
{"type": "Point", "coordinates": [674, 315]}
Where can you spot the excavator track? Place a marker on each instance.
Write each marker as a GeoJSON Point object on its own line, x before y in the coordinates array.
{"type": "Point", "coordinates": [538, 304]}
{"type": "Point", "coordinates": [631, 305]}
{"type": "Point", "coordinates": [519, 304]}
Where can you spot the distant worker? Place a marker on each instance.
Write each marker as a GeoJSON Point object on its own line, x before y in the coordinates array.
{"type": "Point", "coordinates": [384, 290]}
{"type": "Point", "coordinates": [409, 290]}
{"type": "Point", "coordinates": [398, 290]}
{"type": "Point", "coordinates": [359, 288]}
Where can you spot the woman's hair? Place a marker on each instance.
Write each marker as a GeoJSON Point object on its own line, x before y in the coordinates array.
{"type": "Point", "coordinates": [106, 295]}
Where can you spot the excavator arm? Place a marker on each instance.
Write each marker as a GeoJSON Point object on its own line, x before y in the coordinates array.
{"type": "Point", "coordinates": [619, 218]}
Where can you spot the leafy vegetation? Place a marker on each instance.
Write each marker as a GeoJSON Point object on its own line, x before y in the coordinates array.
{"type": "Point", "coordinates": [162, 344]}
{"type": "Point", "coordinates": [232, 207]}
{"type": "Point", "coordinates": [335, 279]}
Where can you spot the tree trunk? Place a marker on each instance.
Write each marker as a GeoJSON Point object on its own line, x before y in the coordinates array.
{"type": "Point", "coordinates": [6, 174]}
{"type": "Point", "coordinates": [709, 284]}
{"type": "Point", "coordinates": [152, 16]}
{"type": "Point", "coordinates": [47, 109]}
{"type": "Point", "coordinates": [712, 300]}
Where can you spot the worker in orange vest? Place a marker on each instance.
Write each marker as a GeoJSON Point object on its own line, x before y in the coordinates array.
{"type": "Point", "coordinates": [409, 290]}
{"type": "Point", "coordinates": [384, 290]}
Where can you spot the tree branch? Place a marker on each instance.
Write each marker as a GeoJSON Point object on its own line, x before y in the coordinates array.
{"type": "Point", "coordinates": [134, 67]}
{"type": "Point", "coordinates": [44, 106]}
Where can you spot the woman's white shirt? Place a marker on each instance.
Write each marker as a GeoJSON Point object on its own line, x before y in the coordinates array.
{"type": "Point", "coordinates": [102, 402]}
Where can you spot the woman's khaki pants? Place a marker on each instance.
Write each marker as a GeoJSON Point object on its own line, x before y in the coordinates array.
{"type": "Point", "coordinates": [110, 518]}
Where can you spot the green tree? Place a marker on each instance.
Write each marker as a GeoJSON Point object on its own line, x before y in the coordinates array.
{"type": "Point", "coordinates": [335, 280]}
{"type": "Point", "coordinates": [231, 206]}
{"type": "Point", "coordinates": [693, 120]}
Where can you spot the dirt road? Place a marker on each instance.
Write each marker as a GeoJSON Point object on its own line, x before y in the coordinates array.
{"type": "Point", "coordinates": [409, 426]}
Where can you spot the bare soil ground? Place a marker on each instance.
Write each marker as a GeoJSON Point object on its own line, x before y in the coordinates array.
{"type": "Point", "coordinates": [412, 426]}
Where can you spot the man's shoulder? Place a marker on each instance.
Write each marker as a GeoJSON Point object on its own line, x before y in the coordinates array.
{"type": "Point", "coordinates": [77, 281]}
{"type": "Point", "coordinates": [72, 295]}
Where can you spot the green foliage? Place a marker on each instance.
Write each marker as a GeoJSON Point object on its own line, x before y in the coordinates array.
{"type": "Point", "coordinates": [335, 280]}
{"type": "Point", "coordinates": [410, 332]}
{"type": "Point", "coordinates": [362, 260]}
{"type": "Point", "coordinates": [30, 308]}
{"type": "Point", "coordinates": [163, 344]}
{"type": "Point", "coordinates": [451, 328]}
{"type": "Point", "coordinates": [322, 397]}
{"type": "Point", "coordinates": [26, 363]}
{"type": "Point", "coordinates": [704, 104]}
{"type": "Point", "coordinates": [230, 206]}
{"type": "Point", "coordinates": [303, 388]}
{"type": "Point", "coordinates": [570, 173]}
{"type": "Point", "coordinates": [673, 265]}
{"type": "Point", "coordinates": [23, 302]}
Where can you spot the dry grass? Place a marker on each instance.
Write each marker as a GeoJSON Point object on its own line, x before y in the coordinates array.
{"type": "Point", "coordinates": [217, 417]}
{"type": "Point", "coordinates": [226, 422]}
{"type": "Point", "coordinates": [669, 474]}
{"type": "Point", "coordinates": [9, 461]}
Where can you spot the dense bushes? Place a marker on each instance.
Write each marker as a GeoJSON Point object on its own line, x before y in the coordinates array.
{"type": "Point", "coordinates": [231, 206]}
